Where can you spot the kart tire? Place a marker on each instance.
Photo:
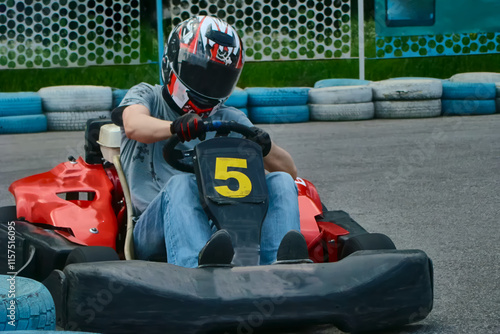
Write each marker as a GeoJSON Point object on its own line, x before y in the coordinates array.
{"type": "Point", "coordinates": [366, 241]}
{"type": "Point", "coordinates": [34, 306]}
{"type": "Point", "coordinates": [340, 95]}
{"type": "Point", "coordinates": [23, 124]}
{"type": "Point", "coordinates": [86, 254]}
{"type": "Point", "coordinates": [76, 98]}
{"type": "Point", "coordinates": [340, 82]}
{"type": "Point", "coordinates": [279, 114]}
{"type": "Point", "coordinates": [285, 96]}
{"type": "Point", "coordinates": [468, 107]}
{"type": "Point", "coordinates": [408, 109]}
{"type": "Point", "coordinates": [238, 99]}
{"type": "Point", "coordinates": [342, 112]}
{"type": "Point", "coordinates": [118, 95]}
{"type": "Point", "coordinates": [73, 121]}
{"type": "Point", "coordinates": [468, 91]}
{"type": "Point", "coordinates": [476, 77]}
{"type": "Point", "coordinates": [414, 89]}
{"type": "Point", "coordinates": [18, 104]}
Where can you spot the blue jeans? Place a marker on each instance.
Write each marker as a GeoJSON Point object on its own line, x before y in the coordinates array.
{"type": "Point", "coordinates": [175, 223]}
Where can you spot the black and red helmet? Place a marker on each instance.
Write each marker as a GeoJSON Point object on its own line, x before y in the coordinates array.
{"type": "Point", "coordinates": [201, 65]}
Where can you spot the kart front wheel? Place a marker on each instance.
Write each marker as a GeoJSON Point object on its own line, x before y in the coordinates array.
{"type": "Point", "coordinates": [91, 254]}
{"type": "Point", "coordinates": [366, 241]}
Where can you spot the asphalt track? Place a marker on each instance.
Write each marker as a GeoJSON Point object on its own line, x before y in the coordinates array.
{"type": "Point", "coordinates": [431, 184]}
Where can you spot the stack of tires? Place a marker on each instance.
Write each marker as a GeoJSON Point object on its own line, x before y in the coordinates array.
{"type": "Point", "coordinates": [341, 103]}
{"type": "Point", "coordinates": [238, 99]}
{"type": "Point", "coordinates": [278, 105]}
{"type": "Point", "coordinates": [118, 95]}
{"type": "Point", "coordinates": [340, 82]}
{"type": "Point", "coordinates": [21, 113]}
{"type": "Point", "coordinates": [474, 93]}
{"type": "Point", "coordinates": [69, 107]}
{"type": "Point", "coordinates": [25, 304]}
{"type": "Point", "coordinates": [407, 98]}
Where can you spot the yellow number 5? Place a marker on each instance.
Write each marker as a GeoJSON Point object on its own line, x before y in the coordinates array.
{"type": "Point", "coordinates": [221, 173]}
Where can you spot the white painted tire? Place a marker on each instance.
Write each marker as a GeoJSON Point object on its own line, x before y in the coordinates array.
{"type": "Point", "coordinates": [76, 98]}
{"type": "Point", "coordinates": [412, 89]}
{"type": "Point", "coordinates": [408, 109]}
{"type": "Point", "coordinates": [342, 112]}
{"type": "Point", "coordinates": [72, 121]}
{"type": "Point", "coordinates": [476, 77]}
{"type": "Point", "coordinates": [341, 95]}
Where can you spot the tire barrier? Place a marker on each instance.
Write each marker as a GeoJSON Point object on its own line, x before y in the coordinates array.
{"type": "Point", "coordinates": [73, 121]}
{"type": "Point", "coordinates": [21, 113]}
{"type": "Point", "coordinates": [19, 104]}
{"type": "Point", "coordinates": [76, 98]}
{"type": "Point", "coordinates": [408, 109]}
{"type": "Point", "coordinates": [31, 307]}
{"type": "Point", "coordinates": [69, 107]}
{"type": "Point", "coordinates": [238, 99]}
{"type": "Point", "coordinates": [66, 108]}
{"type": "Point", "coordinates": [407, 98]}
{"type": "Point", "coordinates": [118, 95]}
{"type": "Point", "coordinates": [278, 105]}
{"type": "Point", "coordinates": [340, 82]}
{"type": "Point", "coordinates": [341, 103]}
{"type": "Point", "coordinates": [481, 77]}
{"type": "Point", "coordinates": [23, 124]}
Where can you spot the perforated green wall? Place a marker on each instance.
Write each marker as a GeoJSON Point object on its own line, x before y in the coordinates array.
{"type": "Point", "coordinates": [280, 30]}
{"type": "Point", "coordinates": [439, 45]}
{"type": "Point", "coordinates": [68, 33]}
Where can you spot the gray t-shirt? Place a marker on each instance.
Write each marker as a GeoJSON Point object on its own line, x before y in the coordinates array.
{"type": "Point", "coordinates": [145, 169]}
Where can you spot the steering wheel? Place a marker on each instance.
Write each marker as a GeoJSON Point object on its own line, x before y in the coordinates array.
{"type": "Point", "coordinates": [174, 156]}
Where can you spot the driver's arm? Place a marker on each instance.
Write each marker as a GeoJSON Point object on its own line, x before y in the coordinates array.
{"type": "Point", "coordinates": [279, 160]}
{"type": "Point", "coordinates": [139, 125]}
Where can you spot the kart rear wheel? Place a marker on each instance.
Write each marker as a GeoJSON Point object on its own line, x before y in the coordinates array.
{"type": "Point", "coordinates": [91, 254]}
{"type": "Point", "coordinates": [366, 241]}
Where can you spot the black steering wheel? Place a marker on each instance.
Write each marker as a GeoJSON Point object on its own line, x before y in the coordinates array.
{"type": "Point", "coordinates": [174, 156]}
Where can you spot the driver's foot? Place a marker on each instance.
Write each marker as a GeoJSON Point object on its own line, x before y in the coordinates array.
{"type": "Point", "coordinates": [293, 249]}
{"type": "Point", "coordinates": [218, 252]}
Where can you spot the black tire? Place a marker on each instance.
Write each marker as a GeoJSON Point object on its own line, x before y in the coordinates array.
{"type": "Point", "coordinates": [34, 307]}
{"type": "Point", "coordinates": [91, 254]}
{"type": "Point", "coordinates": [8, 213]}
{"type": "Point", "coordinates": [368, 241]}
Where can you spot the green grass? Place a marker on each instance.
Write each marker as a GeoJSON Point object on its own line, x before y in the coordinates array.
{"type": "Point", "coordinates": [257, 74]}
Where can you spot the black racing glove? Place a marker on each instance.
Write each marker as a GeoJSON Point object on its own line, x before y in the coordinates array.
{"type": "Point", "coordinates": [188, 127]}
{"type": "Point", "coordinates": [261, 138]}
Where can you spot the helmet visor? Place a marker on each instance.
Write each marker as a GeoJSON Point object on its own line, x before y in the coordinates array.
{"type": "Point", "coordinates": [210, 79]}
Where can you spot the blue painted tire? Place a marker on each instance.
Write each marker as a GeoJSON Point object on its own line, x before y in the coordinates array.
{"type": "Point", "coordinates": [238, 99]}
{"type": "Point", "coordinates": [468, 91]}
{"type": "Point", "coordinates": [34, 307]}
{"type": "Point", "coordinates": [23, 124]}
{"type": "Point", "coordinates": [285, 96]}
{"type": "Point", "coordinates": [19, 104]}
{"type": "Point", "coordinates": [340, 82]}
{"type": "Point", "coordinates": [279, 114]}
{"type": "Point", "coordinates": [118, 95]}
{"type": "Point", "coordinates": [468, 107]}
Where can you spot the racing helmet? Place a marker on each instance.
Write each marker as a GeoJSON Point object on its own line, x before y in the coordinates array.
{"type": "Point", "coordinates": [201, 65]}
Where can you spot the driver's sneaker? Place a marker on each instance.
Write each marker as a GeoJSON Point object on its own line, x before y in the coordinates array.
{"type": "Point", "coordinates": [218, 251]}
{"type": "Point", "coordinates": [293, 249]}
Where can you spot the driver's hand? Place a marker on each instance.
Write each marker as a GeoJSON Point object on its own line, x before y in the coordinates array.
{"type": "Point", "coordinates": [262, 138]}
{"type": "Point", "coordinates": [188, 127]}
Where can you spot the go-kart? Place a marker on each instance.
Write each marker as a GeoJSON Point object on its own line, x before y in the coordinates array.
{"type": "Point", "coordinates": [73, 232]}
